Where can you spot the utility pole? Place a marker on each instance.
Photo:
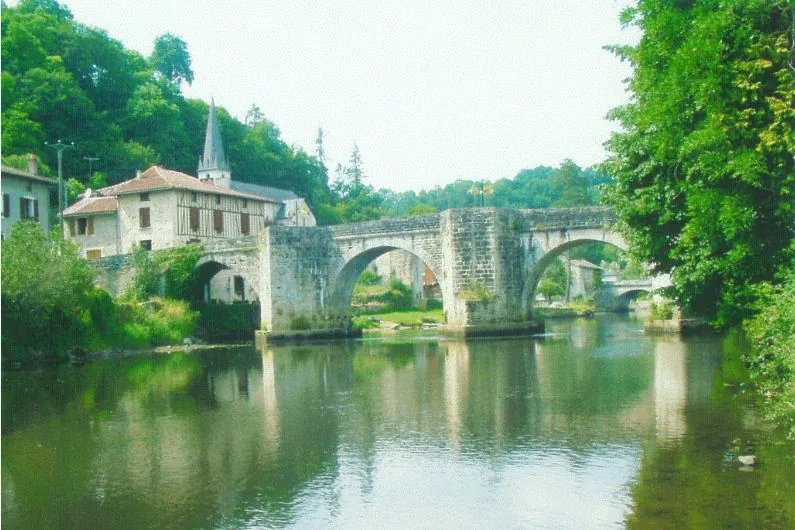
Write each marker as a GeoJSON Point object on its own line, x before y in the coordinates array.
{"type": "Point", "coordinates": [59, 148]}
{"type": "Point", "coordinates": [91, 160]}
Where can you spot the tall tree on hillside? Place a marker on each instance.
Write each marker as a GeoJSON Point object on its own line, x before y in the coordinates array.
{"type": "Point", "coordinates": [254, 116]}
{"type": "Point", "coordinates": [171, 59]}
{"type": "Point", "coordinates": [704, 164]}
{"type": "Point", "coordinates": [320, 149]}
{"type": "Point", "coordinates": [571, 185]}
{"type": "Point", "coordinates": [354, 170]}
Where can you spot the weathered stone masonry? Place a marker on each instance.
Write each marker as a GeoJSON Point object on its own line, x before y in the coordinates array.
{"type": "Point", "coordinates": [487, 261]}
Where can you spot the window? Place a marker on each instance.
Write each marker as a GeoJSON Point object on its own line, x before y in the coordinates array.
{"type": "Point", "coordinates": [82, 226]}
{"type": "Point", "coordinates": [218, 220]}
{"type": "Point", "coordinates": [94, 253]}
{"type": "Point", "coordinates": [71, 223]}
{"type": "Point", "coordinates": [144, 196]}
{"type": "Point", "coordinates": [6, 205]}
{"type": "Point", "coordinates": [217, 199]}
{"type": "Point", "coordinates": [143, 217]}
{"type": "Point", "coordinates": [245, 224]}
{"type": "Point", "coordinates": [194, 196]}
{"type": "Point", "coordinates": [194, 218]}
{"type": "Point", "coordinates": [239, 285]}
{"type": "Point", "coordinates": [194, 240]}
{"type": "Point", "coordinates": [28, 208]}
{"type": "Point", "coordinates": [146, 244]}
{"type": "Point", "coordinates": [245, 203]}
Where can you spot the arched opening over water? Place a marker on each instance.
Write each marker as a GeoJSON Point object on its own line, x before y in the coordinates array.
{"type": "Point", "coordinates": [582, 266]}
{"type": "Point", "coordinates": [227, 300]}
{"type": "Point", "coordinates": [387, 277]}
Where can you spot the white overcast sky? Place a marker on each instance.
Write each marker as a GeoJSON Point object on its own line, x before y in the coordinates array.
{"type": "Point", "coordinates": [431, 91]}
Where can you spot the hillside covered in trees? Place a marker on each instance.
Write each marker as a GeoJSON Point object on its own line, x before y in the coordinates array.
{"type": "Point", "coordinates": [64, 80]}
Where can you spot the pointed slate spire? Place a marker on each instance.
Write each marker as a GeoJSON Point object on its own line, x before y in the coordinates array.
{"type": "Point", "coordinates": [214, 157]}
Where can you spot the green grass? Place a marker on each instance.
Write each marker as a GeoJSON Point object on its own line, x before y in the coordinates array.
{"type": "Point", "coordinates": [411, 317]}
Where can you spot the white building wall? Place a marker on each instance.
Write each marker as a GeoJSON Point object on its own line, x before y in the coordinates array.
{"type": "Point", "coordinates": [104, 238]}
{"type": "Point", "coordinates": [17, 187]}
{"type": "Point", "coordinates": [162, 220]}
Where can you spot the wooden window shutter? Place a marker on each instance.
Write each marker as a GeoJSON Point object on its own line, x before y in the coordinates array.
{"type": "Point", "coordinates": [71, 223]}
{"type": "Point", "coordinates": [91, 226]}
{"type": "Point", "coordinates": [6, 205]}
{"type": "Point", "coordinates": [23, 211]}
{"type": "Point", "coordinates": [245, 224]}
{"type": "Point", "coordinates": [194, 218]}
{"type": "Point", "coordinates": [36, 209]}
{"type": "Point", "coordinates": [218, 220]}
{"type": "Point", "coordinates": [143, 217]}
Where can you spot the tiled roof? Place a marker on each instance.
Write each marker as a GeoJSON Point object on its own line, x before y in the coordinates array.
{"type": "Point", "coordinates": [157, 178]}
{"type": "Point", "coordinates": [276, 194]}
{"type": "Point", "coordinates": [8, 170]}
{"type": "Point", "coordinates": [93, 204]}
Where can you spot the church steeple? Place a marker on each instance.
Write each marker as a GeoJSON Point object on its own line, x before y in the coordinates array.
{"type": "Point", "coordinates": [214, 164]}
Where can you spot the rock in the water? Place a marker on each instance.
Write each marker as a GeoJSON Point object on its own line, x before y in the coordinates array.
{"type": "Point", "coordinates": [747, 460]}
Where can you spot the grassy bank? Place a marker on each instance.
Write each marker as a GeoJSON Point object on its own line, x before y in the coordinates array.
{"type": "Point", "coordinates": [407, 317]}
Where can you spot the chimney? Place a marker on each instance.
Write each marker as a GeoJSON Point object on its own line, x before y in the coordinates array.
{"type": "Point", "coordinates": [138, 173]}
{"type": "Point", "coordinates": [33, 164]}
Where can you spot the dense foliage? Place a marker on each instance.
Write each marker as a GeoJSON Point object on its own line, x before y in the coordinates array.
{"type": "Point", "coordinates": [64, 80]}
{"type": "Point", "coordinates": [704, 164]}
{"type": "Point", "coordinates": [51, 306]}
{"type": "Point", "coordinates": [772, 363]}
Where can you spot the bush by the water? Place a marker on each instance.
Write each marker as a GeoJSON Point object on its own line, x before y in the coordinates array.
{"type": "Point", "coordinates": [772, 360]}
{"type": "Point", "coordinates": [51, 305]}
{"type": "Point", "coordinates": [396, 295]}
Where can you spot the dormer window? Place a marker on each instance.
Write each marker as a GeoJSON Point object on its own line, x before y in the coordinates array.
{"type": "Point", "coordinates": [144, 197]}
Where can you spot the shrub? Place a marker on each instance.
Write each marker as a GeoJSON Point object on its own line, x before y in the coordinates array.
{"type": "Point", "coordinates": [662, 311]}
{"type": "Point", "coordinates": [369, 277]}
{"type": "Point", "coordinates": [433, 303]}
{"type": "Point", "coordinates": [171, 321]}
{"type": "Point", "coordinates": [772, 360]}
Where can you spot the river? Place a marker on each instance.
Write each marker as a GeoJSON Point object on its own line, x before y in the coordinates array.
{"type": "Point", "coordinates": [593, 425]}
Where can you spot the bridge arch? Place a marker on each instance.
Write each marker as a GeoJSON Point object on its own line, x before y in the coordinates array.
{"type": "Point", "coordinates": [356, 260]}
{"type": "Point", "coordinates": [550, 248]}
{"type": "Point", "coordinates": [228, 277]}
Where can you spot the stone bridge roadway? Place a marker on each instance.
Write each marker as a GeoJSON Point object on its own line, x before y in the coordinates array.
{"type": "Point", "coordinates": [487, 260]}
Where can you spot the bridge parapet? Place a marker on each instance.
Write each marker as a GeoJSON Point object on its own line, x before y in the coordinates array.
{"type": "Point", "coordinates": [568, 218]}
{"type": "Point", "coordinates": [388, 226]}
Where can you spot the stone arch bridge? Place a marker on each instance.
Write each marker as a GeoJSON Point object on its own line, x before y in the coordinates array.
{"type": "Point", "coordinates": [487, 261]}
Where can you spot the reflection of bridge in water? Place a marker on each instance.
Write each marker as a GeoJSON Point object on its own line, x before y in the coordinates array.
{"type": "Point", "coordinates": [331, 413]}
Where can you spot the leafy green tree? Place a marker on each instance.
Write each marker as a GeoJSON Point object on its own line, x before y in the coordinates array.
{"type": "Point", "coordinates": [704, 163]}
{"type": "Point", "coordinates": [570, 185]}
{"type": "Point", "coordinates": [147, 275]}
{"type": "Point", "coordinates": [45, 293]}
{"type": "Point", "coordinates": [554, 281]}
{"type": "Point", "coordinates": [171, 59]}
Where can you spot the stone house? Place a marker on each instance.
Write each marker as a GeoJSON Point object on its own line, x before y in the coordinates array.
{"type": "Point", "coordinates": [160, 208]}
{"type": "Point", "coordinates": [26, 195]}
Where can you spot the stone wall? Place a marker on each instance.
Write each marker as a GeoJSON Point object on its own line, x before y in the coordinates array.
{"type": "Point", "coordinates": [114, 273]}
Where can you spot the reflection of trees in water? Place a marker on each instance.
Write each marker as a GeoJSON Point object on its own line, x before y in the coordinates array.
{"type": "Point", "coordinates": [204, 438]}
{"type": "Point", "coordinates": [696, 482]}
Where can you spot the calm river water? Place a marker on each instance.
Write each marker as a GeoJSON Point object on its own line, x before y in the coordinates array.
{"type": "Point", "coordinates": [594, 425]}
